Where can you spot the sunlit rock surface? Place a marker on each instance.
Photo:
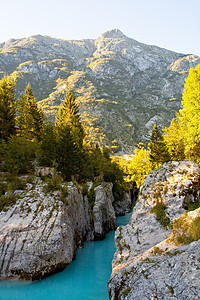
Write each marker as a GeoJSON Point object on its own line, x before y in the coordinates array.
{"type": "Point", "coordinates": [147, 263]}
{"type": "Point", "coordinates": [39, 235]}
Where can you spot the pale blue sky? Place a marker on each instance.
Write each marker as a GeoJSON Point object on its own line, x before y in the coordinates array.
{"type": "Point", "coordinates": [171, 24]}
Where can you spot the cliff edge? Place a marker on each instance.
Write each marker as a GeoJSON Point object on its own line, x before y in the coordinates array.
{"type": "Point", "coordinates": [40, 233]}
{"type": "Point", "coordinates": [158, 252]}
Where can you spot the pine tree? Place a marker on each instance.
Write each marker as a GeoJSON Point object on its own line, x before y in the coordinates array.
{"type": "Point", "coordinates": [66, 158]}
{"type": "Point", "coordinates": [70, 134]}
{"type": "Point", "coordinates": [69, 115]}
{"type": "Point", "coordinates": [157, 147]}
{"type": "Point", "coordinates": [7, 108]}
{"type": "Point", "coordinates": [31, 118]}
{"type": "Point", "coordinates": [47, 146]}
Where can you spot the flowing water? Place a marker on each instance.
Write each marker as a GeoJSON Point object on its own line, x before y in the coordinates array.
{"type": "Point", "coordinates": [85, 278]}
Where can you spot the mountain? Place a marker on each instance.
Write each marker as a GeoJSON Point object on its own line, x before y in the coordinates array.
{"type": "Point", "coordinates": [122, 86]}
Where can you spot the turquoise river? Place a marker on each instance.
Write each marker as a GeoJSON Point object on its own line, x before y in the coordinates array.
{"type": "Point", "coordinates": [85, 278]}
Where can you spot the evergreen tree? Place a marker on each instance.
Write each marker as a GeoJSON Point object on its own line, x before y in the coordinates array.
{"type": "Point", "coordinates": [31, 118]}
{"type": "Point", "coordinates": [96, 161]}
{"type": "Point", "coordinates": [157, 147]}
{"type": "Point", "coordinates": [19, 155]}
{"type": "Point", "coordinates": [70, 135]}
{"type": "Point", "coordinates": [66, 157]}
{"type": "Point", "coordinates": [47, 146]}
{"type": "Point", "coordinates": [69, 115]}
{"type": "Point", "coordinates": [7, 107]}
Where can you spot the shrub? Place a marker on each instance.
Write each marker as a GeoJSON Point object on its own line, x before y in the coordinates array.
{"type": "Point", "coordinates": [157, 250]}
{"type": "Point", "coordinates": [17, 183]}
{"type": "Point", "coordinates": [171, 290]}
{"type": "Point", "coordinates": [53, 183]}
{"type": "Point", "coordinates": [186, 230]}
{"type": "Point", "coordinates": [64, 193]}
{"type": "Point", "coordinates": [7, 200]}
{"type": "Point", "coordinates": [194, 205]}
{"type": "Point", "coordinates": [159, 211]}
{"type": "Point", "coordinates": [126, 292]}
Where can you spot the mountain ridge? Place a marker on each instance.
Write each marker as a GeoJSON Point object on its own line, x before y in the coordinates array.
{"type": "Point", "coordinates": [122, 86]}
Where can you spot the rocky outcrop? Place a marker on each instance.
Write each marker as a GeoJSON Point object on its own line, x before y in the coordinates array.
{"type": "Point", "coordinates": [123, 205]}
{"type": "Point", "coordinates": [122, 86]}
{"type": "Point", "coordinates": [40, 233]}
{"type": "Point", "coordinates": [158, 253]}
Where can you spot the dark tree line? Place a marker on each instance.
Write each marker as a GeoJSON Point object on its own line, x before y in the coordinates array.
{"type": "Point", "coordinates": [26, 140]}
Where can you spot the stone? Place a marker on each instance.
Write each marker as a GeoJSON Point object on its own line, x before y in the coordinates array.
{"type": "Point", "coordinates": [148, 264]}
{"type": "Point", "coordinates": [39, 234]}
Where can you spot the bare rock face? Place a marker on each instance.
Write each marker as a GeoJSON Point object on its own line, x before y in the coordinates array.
{"type": "Point", "coordinates": [148, 263]}
{"type": "Point", "coordinates": [123, 205]}
{"type": "Point", "coordinates": [40, 233]}
{"type": "Point", "coordinates": [104, 215]}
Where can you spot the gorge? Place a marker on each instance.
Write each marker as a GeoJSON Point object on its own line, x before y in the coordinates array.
{"type": "Point", "coordinates": [39, 235]}
{"type": "Point", "coordinates": [55, 199]}
{"type": "Point", "coordinates": [85, 278]}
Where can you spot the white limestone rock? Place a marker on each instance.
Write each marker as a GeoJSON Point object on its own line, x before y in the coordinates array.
{"type": "Point", "coordinates": [40, 233]}
{"type": "Point", "coordinates": [137, 271]}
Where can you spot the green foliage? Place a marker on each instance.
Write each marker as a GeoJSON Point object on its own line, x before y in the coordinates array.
{"type": "Point", "coordinates": [53, 183]}
{"type": "Point", "coordinates": [189, 116]}
{"type": "Point", "coordinates": [69, 134]}
{"type": "Point", "coordinates": [68, 115]}
{"type": "Point", "coordinates": [16, 183]}
{"type": "Point", "coordinates": [3, 188]}
{"type": "Point", "coordinates": [193, 205]}
{"type": "Point", "coordinates": [19, 155]}
{"type": "Point", "coordinates": [173, 138]}
{"type": "Point", "coordinates": [47, 147]}
{"type": "Point", "coordinates": [91, 197]}
{"type": "Point", "coordinates": [140, 166]}
{"type": "Point", "coordinates": [66, 158]}
{"type": "Point", "coordinates": [157, 148]}
{"type": "Point", "coordinates": [186, 230]}
{"type": "Point", "coordinates": [7, 108]}
{"type": "Point", "coordinates": [61, 145]}
{"type": "Point", "coordinates": [126, 292]}
{"type": "Point", "coordinates": [30, 116]}
{"type": "Point", "coordinates": [7, 200]}
{"type": "Point", "coordinates": [183, 136]}
{"type": "Point", "coordinates": [159, 211]}
{"type": "Point", "coordinates": [136, 169]}
{"type": "Point", "coordinates": [157, 250]}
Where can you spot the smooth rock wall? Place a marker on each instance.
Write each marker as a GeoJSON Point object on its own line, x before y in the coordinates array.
{"type": "Point", "coordinates": [39, 235]}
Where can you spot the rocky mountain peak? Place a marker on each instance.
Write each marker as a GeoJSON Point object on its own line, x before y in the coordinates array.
{"type": "Point", "coordinates": [112, 34]}
{"type": "Point", "coordinates": [122, 86]}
